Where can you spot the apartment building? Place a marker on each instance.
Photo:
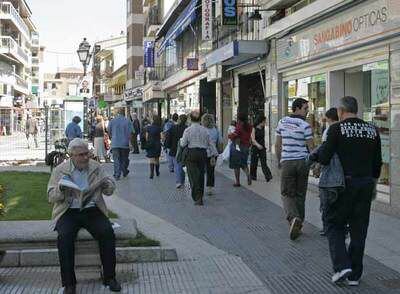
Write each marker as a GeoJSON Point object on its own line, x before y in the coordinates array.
{"type": "Point", "coordinates": [109, 69]}
{"type": "Point", "coordinates": [17, 31]}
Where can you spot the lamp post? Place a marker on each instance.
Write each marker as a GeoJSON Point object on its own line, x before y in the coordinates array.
{"type": "Point", "coordinates": [84, 54]}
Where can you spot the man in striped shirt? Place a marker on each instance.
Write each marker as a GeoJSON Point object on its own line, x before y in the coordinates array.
{"type": "Point", "coordinates": [294, 140]}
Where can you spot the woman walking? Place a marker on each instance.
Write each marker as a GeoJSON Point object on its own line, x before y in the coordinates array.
{"type": "Point", "coordinates": [173, 135]}
{"type": "Point", "coordinates": [153, 145]}
{"type": "Point", "coordinates": [258, 150]}
{"type": "Point", "coordinates": [240, 148]}
{"type": "Point", "coordinates": [207, 120]}
{"type": "Point", "coordinates": [98, 141]}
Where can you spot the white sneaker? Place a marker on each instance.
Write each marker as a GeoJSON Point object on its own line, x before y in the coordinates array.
{"type": "Point", "coordinates": [339, 277]}
{"type": "Point", "coordinates": [353, 283]}
{"type": "Point", "coordinates": [178, 186]}
{"type": "Point", "coordinates": [210, 191]}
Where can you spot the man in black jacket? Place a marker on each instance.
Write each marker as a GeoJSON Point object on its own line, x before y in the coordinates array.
{"type": "Point", "coordinates": [358, 146]}
{"type": "Point", "coordinates": [172, 137]}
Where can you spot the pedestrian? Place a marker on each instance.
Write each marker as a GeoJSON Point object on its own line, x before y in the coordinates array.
{"type": "Point", "coordinates": [207, 121]}
{"type": "Point", "coordinates": [331, 117]}
{"type": "Point", "coordinates": [294, 141]}
{"type": "Point", "coordinates": [167, 126]}
{"type": "Point", "coordinates": [258, 150]}
{"type": "Point", "coordinates": [153, 145]}
{"type": "Point", "coordinates": [31, 129]}
{"type": "Point", "coordinates": [358, 145]}
{"type": "Point", "coordinates": [70, 213]}
{"type": "Point", "coordinates": [120, 131]}
{"type": "Point", "coordinates": [73, 129]}
{"type": "Point", "coordinates": [136, 128]}
{"type": "Point", "coordinates": [171, 141]}
{"type": "Point", "coordinates": [197, 139]}
{"type": "Point", "coordinates": [239, 152]}
{"type": "Point", "coordinates": [98, 139]}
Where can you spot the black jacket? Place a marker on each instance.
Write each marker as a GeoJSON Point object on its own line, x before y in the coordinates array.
{"type": "Point", "coordinates": [173, 135]}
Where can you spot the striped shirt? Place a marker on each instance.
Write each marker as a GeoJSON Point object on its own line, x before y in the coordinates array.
{"type": "Point", "coordinates": [294, 132]}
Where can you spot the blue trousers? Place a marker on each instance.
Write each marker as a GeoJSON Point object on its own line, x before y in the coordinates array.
{"type": "Point", "coordinates": [121, 161]}
{"type": "Point", "coordinates": [179, 172]}
{"type": "Point", "coordinates": [170, 160]}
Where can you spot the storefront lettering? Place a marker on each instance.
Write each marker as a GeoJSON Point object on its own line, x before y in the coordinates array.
{"type": "Point", "coordinates": [356, 24]}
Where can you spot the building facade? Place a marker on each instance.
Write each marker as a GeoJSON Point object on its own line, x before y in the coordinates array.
{"type": "Point", "coordinates": [18, 35]}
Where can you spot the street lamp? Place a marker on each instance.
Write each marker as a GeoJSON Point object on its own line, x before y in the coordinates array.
{"type": "Point", "coordinates": [84, 54]}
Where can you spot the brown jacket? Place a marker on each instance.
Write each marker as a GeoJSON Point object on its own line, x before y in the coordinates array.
{"type": "Point", "coordinates": [63, 199]}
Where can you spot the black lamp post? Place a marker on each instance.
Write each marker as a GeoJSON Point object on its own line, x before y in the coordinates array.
{"type": "Point", "coordinates": [84, 54]}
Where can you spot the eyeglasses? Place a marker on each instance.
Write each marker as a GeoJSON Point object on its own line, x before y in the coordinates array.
{"type": "Point", "coordinates": [83, 154]}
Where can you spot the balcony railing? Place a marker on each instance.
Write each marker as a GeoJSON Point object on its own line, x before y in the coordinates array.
{"type": "Point", "coordinates": [8, 10]}
{"type": "Point", "coordinates": [21, 82]}
{"type": "Point", "coordinates": [155, 74]}
{"type": "Point", "coordinates": [153, 19]}
{"type": "Point", "coordinates": [8, 45]}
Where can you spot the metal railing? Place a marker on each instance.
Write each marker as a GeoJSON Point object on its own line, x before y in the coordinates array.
{"type": "Point", "coordinates": [20, 81]}
{"type": "Point", "coordinates": [155, 73]}
{"type": "Point", "coordinates": [153, 18]}
{"type": "Point", "coordinates": [13, 48]}
{"type": "Point", "coordinates": [8, 9]}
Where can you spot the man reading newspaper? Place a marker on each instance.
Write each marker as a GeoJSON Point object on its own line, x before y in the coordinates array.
{"type": "Point", "coordinates": [76, 189]}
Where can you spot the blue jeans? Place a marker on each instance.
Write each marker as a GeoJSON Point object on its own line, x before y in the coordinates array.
{"type": "Point", "coordinates": [121, 161]}
{"type": "Point", "coordinates": [179, 172]}
{"type": "Point", "coordinates": [170, 160]}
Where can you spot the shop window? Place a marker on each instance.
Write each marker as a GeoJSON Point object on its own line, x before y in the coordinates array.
{"type": "Point", "coordinates": [313, 89]}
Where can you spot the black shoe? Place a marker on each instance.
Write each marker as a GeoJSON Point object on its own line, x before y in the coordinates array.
{"type": "Point", "coordinates": [117, 178]}
{"type": "Point", "coordinates": [113, 285]}
{"type": "Point", "coordinates": [127, 173]}
{"type": "Point", "coordinates": [70, 289]}
{"type": "Point", "coordinates": [199, 202]}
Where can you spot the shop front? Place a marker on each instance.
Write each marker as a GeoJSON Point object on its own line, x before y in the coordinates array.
{"type": "Point", "coordinates": [355, 53]}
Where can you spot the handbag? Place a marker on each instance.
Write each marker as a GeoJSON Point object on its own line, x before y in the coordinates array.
{"type": "Point", "coordinates": [182, 154]}
{"type": "Point", "coordinates": [107, 141]}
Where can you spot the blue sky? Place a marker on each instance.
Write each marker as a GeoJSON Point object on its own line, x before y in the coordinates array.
{"type": "Point", "coordinates": [63, 23]}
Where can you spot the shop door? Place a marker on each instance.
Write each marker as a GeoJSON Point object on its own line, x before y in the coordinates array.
{"type": "Point", "coordinates": [207, 97]}
{"type": "Point", "coordinates": [251, 95]}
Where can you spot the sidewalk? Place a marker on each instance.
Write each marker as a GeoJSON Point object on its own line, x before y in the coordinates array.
{"type": "Point", "coordinates": [15, 147]}
{"type": "Point", "coordinates": [240, 222]}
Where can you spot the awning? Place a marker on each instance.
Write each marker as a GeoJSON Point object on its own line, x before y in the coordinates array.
{"type": "Point", "coordinates": [187, 16]}
{"type": "Point", "coordinates": [236, 52]}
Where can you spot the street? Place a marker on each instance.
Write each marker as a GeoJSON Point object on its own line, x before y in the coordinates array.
{"type": "Point", "coordinates": [15, 148]}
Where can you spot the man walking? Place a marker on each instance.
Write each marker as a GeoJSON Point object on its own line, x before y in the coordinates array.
{"type": "Point", "coordinates": [31, 129]}
{"type": "Point", "coordinates": [197, 139]}
{"type": "Point", "coordinates": [294, 140]}
{"type": "Point", "coordinates": [136, 129]}
{"type": "Point", "coordinates": [120, 131]}
{"type": "Point", "coordinates": [73, 129]}
{"type": "Point", "coordinates": [167, 126]}
{"type": "Point", "coordinates": [358, 146]}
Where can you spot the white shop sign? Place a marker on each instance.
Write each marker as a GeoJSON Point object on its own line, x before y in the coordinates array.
{"type": "Point", "coordinates": [363, 23]}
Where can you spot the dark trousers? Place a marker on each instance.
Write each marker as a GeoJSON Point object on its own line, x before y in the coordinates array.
{"type": "Point", "coordinates": [134, 143]}
{"type": "Point", "coordinates": [352, 207]}
{"type": "Point", "coordinates": [196, 164]}
{"type": "Point", "coordinates": [294, 182]}
{"type": "Point", "coordinates": [98, 225]}
{"type": "Point", "coordinates": [121, 161]}
{"type": "Point", "coordinates": [262, 155]}
{"type": "Point", "coordinates": [210, 170]}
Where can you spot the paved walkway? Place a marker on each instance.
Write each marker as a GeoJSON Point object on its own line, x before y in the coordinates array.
{"type": "Point", "coordinates": [252, 227]}
{"type": "Point", "coordinates": [15, 148]}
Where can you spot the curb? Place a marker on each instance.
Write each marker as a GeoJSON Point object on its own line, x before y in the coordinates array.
{"type": "Point", "coordinates": [49, 257]}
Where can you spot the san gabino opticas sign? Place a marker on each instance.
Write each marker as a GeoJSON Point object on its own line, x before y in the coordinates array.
{"type": "Point", "coordinates": [366, 22]}
{"type": "Point", "coordinates": [229, 12]}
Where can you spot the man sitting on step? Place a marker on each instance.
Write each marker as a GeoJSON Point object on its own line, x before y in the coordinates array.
{"type": "Point", "coordinates": [76, 188]}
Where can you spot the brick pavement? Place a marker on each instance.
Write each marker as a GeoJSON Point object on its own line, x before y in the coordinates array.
{"type": "Point", "coordinates": [242, 223]}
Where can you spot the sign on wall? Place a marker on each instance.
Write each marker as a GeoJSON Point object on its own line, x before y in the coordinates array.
{"type": "Point", "coordinates": [366, 22]}
{"type": "Point", "coordinates": [148, 48]}
{"type": "Point", "coordinates": [229, 12]}
{"type": "Point", "coordinates": [206, 18]}
{"type": "Point", "coordinates": [192, 64]}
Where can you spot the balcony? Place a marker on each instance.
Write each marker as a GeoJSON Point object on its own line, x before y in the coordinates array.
{"type": "Point", "coordinates": [9, 46]}
{"type": "Point", "coordinates": [7, 11]}
{"type": "Point", "coordinates": [21, 85]}
{"type": "Point", "coordinates": [35, 61]}
{"type": "Point", "coordinates": [155, 74]}
{"type": "Point", "coordinates": [152, 21]}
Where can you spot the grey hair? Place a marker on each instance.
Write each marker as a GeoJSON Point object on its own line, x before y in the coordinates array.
{"type": "Point", "coordinates": [349, 104]}
{"type": "Point", "coordinates": [77, 143]}
{"type": "Point", "coordinates": [207, 120]}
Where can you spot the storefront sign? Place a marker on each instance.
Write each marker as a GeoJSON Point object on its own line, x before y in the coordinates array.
{"type": "Point", "coordinates": [229, 12]}
{"type": "Point", "coordinates": [133, 93]}
{"type": "Point", "coordinates": [206, 19]}
{"type": "Point", "coordinates": [148, 57]}
{"type": "Point", "coordinates": [192, 64]}
{"type": "Point", "coordinates": [366, 22]}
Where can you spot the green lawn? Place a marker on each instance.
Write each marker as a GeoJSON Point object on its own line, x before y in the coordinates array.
{"type": "Point", "coordinates": [25, 196]}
